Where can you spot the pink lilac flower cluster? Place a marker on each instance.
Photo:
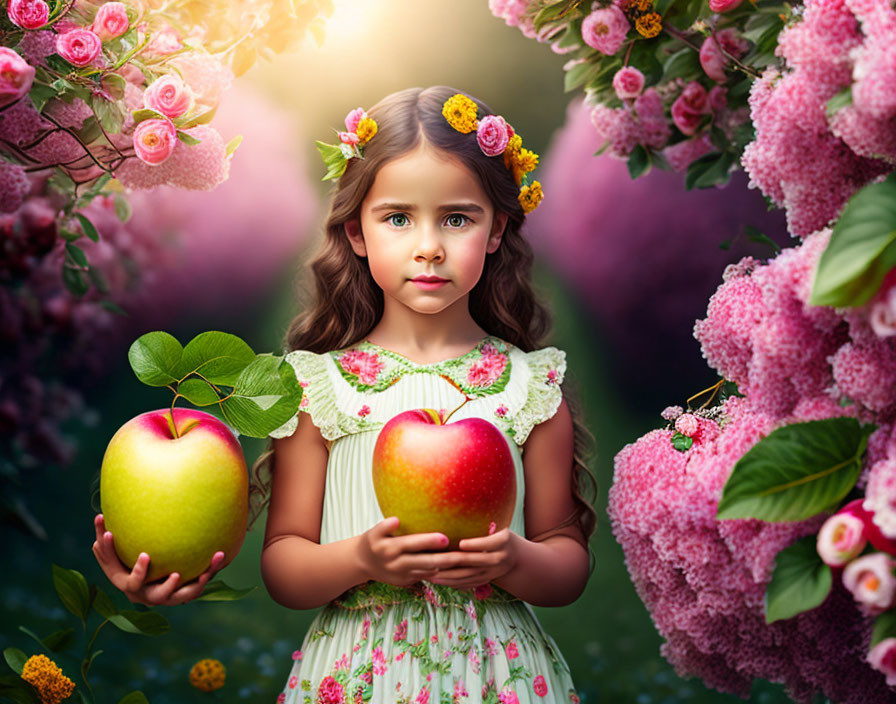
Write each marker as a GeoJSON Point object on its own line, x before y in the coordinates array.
{"type": "Point", "coordinates": [619, 260]}
{"type": "Point", "coordinates": [761, 333]}
{"type": "Point", "coordinates": [364, 365]}
{"type": "Point", "coordinates": [704, 580]}
{"type": "Point", "coordinates": [804, 160]}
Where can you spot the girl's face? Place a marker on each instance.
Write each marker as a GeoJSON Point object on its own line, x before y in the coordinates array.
{"type": "Point", "coordinates": [425, 228]}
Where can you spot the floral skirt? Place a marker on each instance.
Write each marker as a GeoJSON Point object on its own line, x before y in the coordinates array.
{"type": "Point", "coordinates": [427, 644]}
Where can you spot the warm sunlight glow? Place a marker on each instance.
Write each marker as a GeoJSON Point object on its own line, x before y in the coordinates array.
{"type": "Point", "coordinates": [351, 19]}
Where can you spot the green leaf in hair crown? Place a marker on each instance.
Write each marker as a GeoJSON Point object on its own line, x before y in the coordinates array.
{"type": "Point", "coordinates": [359, 130]}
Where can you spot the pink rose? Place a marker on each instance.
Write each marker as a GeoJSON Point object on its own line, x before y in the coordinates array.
{"type": "Point", "coordinates": [628, 83]}
{"type": "Point", "coordinates": [349, 138]}
{"type": "Point", "coordinates": [689, 108]}
{"type": "Point", "coordinates": [540, 686]}
{"type": "Point", "coordinates": [492, 135]}
{"type": "Point", "coordinates": [154, 140]}
{"type": "Point", "coordinates": [511, 651]}
{"type": "Point", "coordinates": [718, 98]}
{"type": "Point", "coordinates": [28, 14]}
{"type": "Point", "coordinates": [712, 58]}
{"type": "Point", "coordinates": [111, 21]}
{"type": "Point", "coordinates": [723, 5]}
{"type": "Point", "coordinates": [871, 581]}
{"type": "Point", "coordinates": [882, 657]}
{"type": "Point", "coordinates": [605, 29]}
{"type": "Point", "coordinates": [330, 691]}
{"type": "Point", "coordinates": [163, 42]}
{"type": "Point", "coordinates": [168, 95]}
{"type": "Point", "coordinates": [16, 76]}
{"type": "Point", "coordinates": [841, 538]}
{"type": "Point", "coordinates": [80, 47]}
{"type": "Point", "coordinates": [353, 118]}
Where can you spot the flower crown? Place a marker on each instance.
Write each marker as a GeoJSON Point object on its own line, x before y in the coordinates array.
{"type": "Point", "coordinates": [495, 138]}
{"type": "Point", "coordinates": [359, 128]}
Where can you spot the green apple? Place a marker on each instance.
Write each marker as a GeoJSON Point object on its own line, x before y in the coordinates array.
{"type": "Point", "coordinates": [179, 497]}
{"type": "Point", "coordinates": [455, 478]}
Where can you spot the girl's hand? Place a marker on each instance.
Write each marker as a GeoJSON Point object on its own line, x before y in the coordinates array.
{"type": "Point", "coordinates": [479, 560]}
{"type": "Point", "coordinates": [400, 560]}
{"type": "Point", "coordinates": [131, 583]}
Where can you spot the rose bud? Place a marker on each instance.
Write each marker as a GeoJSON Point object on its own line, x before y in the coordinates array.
{"type": "Point", "coordinates": [154, 140]}
{"type": "Point", "coordinates": [628, 83]}
{"type": "Point", "coordinates": [841, 538]}
{"type": "Point", "coordinates": [16, 76]}
{"type": "Point", "coordinates": [882, 657]}
{"type": "Point", "coordinates": [871, 581]}
{"type": "Point", "coordinates": [111, 21]}
{"type": "Point", "coordinates": [168, 95]}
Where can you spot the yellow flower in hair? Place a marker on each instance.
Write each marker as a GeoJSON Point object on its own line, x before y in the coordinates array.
{"type": "Point", "coordinates": [524, 162]}
{"type": "Point", "coordinates": [208, 675]}
{"type": "Point", "coordinates": [649, 25]}
{"type": "Point", "coordinates": [512, 150]}
{"type": "Point", "coordinates": [45, 676]}
{"type": "Point", "coordinates": [530, 196]}
{"type": "Point", "coordinates": [460, 111]}
{"type": "Point", "coordinates": [366, 130]}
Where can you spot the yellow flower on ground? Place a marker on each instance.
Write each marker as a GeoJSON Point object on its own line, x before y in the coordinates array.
{"type": "Point", "coordinates": [208, 675]}
{"type": "Point", "coordinates": [460, 111]}
{"type": "Point", "coordinates": [45, 676]}
{"type": "Point", "coordinates": [649, 25]}
{"type": "Point", "coordinates": [366, 129]}
{"type": "Point", "coordinates": [530, 196]}
{"type": "Point", "coordinates": [512, 150]}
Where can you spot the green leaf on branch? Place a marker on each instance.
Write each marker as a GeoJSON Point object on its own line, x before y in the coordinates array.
{"type": "Point", "coordinates": [147, 623]}
{"type": "Point", "coordinates": [801, 581]}
{"type": "Point", "coordinates": [72, 590]}
{"type": "Point", "coordinates": [122, 208]}
{"type": "Point", "coordinates": [797, 471]}
{"type": "Point", "coordinates": [838, 101]}
{"type": "Point", "coordinates": [103, 604]}
{"type": "Point", "coordinates": [580, 74]}
{"type": "Point", "coordinates": [198, 392]}
{"type": "Point", "coordinates": [233, 144]}
{"type": "Point", "coordinates": [187, 138]}
{"type": "Point", "coordinates": [333, 158]}
{"type": "Point", "coordinates": [265, 396]}
{"type": "Point", "coordinates": [218, 591]}
{"type": "Point", "coordinates": [59, 640]}
{"type": "Point", "coordinates": [884, 627]}
{"type": "Point", "coordinates": [40, 94]}
{"type": "Point", "coordinates": [108, 113]}
{"type": "Point", "coordinates": [98, 280]}
{"type": "Point", "coordinates": [16, 659]}
{"type": "Point", "coordinates": [155, 358]}
{"type": "Point", "coordinates": [713, 169]}
{"type": "Point", "coordinates": [755, 235]}
{"type": "Point", "coordinates": [13, 688]}
{"type": "Point", "coordinates": [77, 255]}
{"type": "Point", "coordinates": [862, 249]}
{"type": "Point", "coordinates": [202, 118]}
{"type": "Point", "coordinates": [549, 13]}
{"type": "Point", "coordinates": [33, 636]}
{"type": "Point", "coordinates": [136, 697]}
{"type": "Point", "coordinates": [638, 162]}
{"type": "Point", "coordinates": [683, 62]}
{"type": "Point", "coordinates": [146, 114]}
{"type": "Point", "coordinates": [217, 356]}
{"type": "Point", "coordinates": [115, 85]}
{"type": "Point", "coordinates": [75, 281]}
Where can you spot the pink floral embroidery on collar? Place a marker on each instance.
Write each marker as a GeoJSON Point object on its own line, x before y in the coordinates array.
{"type": "Point", "coordinates": [489, 368]}
{"type": "Point", "coordinates": [364, 410]}
{"type": "Point", "coordinates": [552, 376]}
{"type": "Point", "coordinates": [364, 365]}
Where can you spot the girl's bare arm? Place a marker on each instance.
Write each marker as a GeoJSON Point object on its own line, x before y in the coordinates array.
{"type": "Point", "coordinates": [553, 571]}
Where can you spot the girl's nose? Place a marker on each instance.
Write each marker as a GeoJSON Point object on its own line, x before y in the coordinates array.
{"type": "Point", "coordinates": [429, 245]}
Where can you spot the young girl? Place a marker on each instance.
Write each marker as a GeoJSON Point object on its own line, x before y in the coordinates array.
{"type": "Point", "coordinates": [423, 300]}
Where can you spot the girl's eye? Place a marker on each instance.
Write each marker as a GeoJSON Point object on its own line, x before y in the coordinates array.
{"type": "Point", "coordinates": [456, 220]}
{"type": "Point", "coordinates": [398, 219]}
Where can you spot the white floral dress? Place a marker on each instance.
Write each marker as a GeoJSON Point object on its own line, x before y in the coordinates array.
{"type": "Point", "coordinates": [429, 643]}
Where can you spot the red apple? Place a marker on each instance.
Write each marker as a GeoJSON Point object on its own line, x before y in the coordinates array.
{"type": "Point", "coordinates": [453, 478]}
{"type": "Point", "coordinates": [178, 499]}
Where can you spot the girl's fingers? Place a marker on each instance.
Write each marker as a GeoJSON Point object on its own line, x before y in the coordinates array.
{"type": "Point", "coordinates": [138, 574]}
{"type": "Point", "coordinates": [161, 593]}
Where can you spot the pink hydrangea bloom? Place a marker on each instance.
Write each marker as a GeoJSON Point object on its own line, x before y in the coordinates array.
{"type": "Point", "coordinates": [681, 154]}
{"type": "Point", "coordinates": [687, 424]}
{"type": "Point", "coordinates": [604, 29]}
{"type": "Point", "coordinates": [16, 76]}
{"type": "Point", "coordinates": [866, 373]}
{"type": "Point", "coordinates": [14, 186]}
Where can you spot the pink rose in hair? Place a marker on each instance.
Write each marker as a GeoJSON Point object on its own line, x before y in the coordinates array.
{"type": "Point", "coordinates": [605, 29]}
{"type": "Point", "coordinates": [16, 76]}
{"type": "Point", "coordinates": [353, 118]}
{"type": "Point", "coordinates": [689, 108]}
{"type": "Point", "coordinates": [111, 21]}
{"type": "Point", "coordinates": [871, 581]}
{"type": "Point", "coordinates": [882, 657]}
{"type": "Point", "coordinates": [80, 47]}
{"type": "Point", "coordinates": [154, 140]}
{"type": "Point", "coordinates": [349, 138]}
{"type": "Point", "coordinates": [628, 83]}
{"type": "Point", "coordinates": [723, 5]}
{"type": "Point", "coordinates": [841, 539]}
{"type": "Point", "coordinates": [492, 135]}
{"type": "Point", "coordinates": [28, 14]}
{"type": "Point", "coordinates": [169, 95]}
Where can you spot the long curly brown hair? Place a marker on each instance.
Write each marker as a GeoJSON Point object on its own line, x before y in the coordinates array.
{"type": "Point", "coordinates": [346, 303]}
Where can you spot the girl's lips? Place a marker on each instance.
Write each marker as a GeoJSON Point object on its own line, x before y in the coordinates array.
{"type": "Point", "coordinates": [429, 284]}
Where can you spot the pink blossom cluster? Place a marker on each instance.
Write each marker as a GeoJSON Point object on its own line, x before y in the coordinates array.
{"type": "Point", "coordinates": [612, 239]}
{"type": "Point", "coordinates": [364, 365]}
{"type": "Point", "coordinates": [761, 333]}
{"type": "Point", "coordinates": [643, 122]}
{"type": "Point", "coordinates": [805, 161]}
{"type": "Point", "coordinates": [704, 580]}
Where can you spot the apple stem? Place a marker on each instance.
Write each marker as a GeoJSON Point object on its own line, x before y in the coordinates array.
{"type": "Point", "coordinates": [466, 398]}
{"type": "Point", "coordinates": [171, 423]}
